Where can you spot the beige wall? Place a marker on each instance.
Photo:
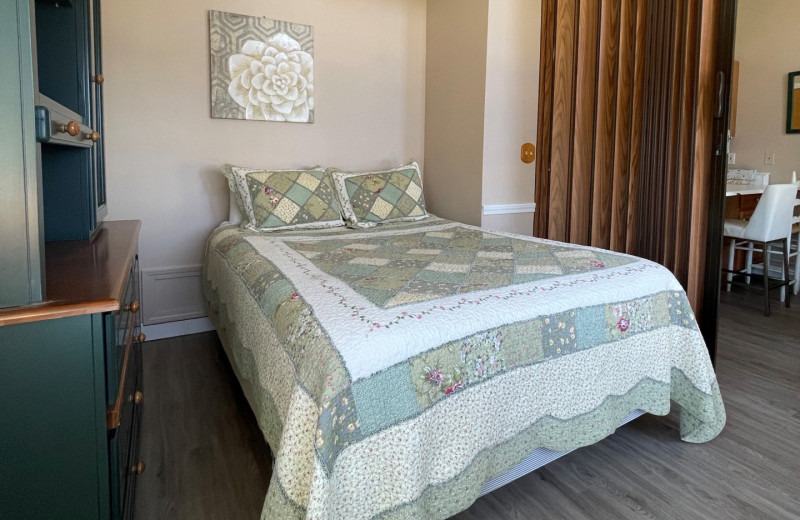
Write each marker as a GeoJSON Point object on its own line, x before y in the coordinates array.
{"type": "Point", "coordinates": [163, 148]}
{"type": "Point", "coordinates": [512, 94]}
{"type": "Point", "coordinates": [481, 106]}
{"type": "Point", "coordinates": [454, 103]}
{"type": "Point", "coordinates": [767, 48]}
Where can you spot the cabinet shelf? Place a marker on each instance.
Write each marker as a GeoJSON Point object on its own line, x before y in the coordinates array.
{"type": "Point", "coordinates": [56, 124]}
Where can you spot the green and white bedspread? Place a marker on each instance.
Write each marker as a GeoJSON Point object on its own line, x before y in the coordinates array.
{"type": "Point", "coordinates": [394, 370]}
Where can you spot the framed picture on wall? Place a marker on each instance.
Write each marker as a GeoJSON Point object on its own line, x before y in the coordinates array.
{"type": "Point", "coordinates": [261, 69]}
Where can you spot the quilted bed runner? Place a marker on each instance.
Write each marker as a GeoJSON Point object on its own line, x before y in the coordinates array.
{"type": "Point", "coordinates": [394, 370]}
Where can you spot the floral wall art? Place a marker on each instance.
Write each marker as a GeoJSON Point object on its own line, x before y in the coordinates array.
{"type": "Point", "coordinates": [261, 69]}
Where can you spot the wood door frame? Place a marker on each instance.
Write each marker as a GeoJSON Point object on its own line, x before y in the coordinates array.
{"type": "Point", "coordinates": [726, 34]}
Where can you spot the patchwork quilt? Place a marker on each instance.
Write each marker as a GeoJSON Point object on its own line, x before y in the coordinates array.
{"type": "Point", "coordinates": [394, 370]}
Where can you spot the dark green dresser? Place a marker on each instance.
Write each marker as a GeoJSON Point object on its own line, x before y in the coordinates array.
{"type": "Point", "coordinates": [71, 391]}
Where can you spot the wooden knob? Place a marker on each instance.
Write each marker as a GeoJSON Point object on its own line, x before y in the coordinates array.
{"type": "Point", "coordinates": [133, 307]}
{"type": "Point", "coordinates": [92, 136]}
{"type": "Point", "coordinates": [138, 468]}
{"type": "Point", "coordinates": [140, 338]}
{"type": "Point", "coordinates": [98, 78]}
{"type": "Point", "coordinates": [72, 128]}
{"type": "Point", "coordinates": [138, 397]}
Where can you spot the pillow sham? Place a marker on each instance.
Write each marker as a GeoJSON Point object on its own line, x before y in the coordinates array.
{"type": "Point", "coordinates": [286, 199]}
{"type": "Point", "coordinates": [370, 198]}
{"type": "Point", "coordinates": [227, 172]}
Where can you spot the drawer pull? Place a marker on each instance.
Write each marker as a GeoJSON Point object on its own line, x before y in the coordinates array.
{"type": "Point", "coordinates": [138, 397]}
{"type": "Point", "coordinates": [138, 468]}
{"type": "Point", "coordinates": [133, 307]}
{"type": "Point", "coordinates": [99, 79]}
{"type": "Point", "coordinates": [72, 128]}
{"type": "Point", "coordinates": [93, 136]}
{"type": "Point", "coordinates": [140, 338]}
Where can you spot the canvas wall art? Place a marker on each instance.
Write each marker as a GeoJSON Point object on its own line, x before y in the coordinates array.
{"type": "Point", "coordinates": [261, 69]}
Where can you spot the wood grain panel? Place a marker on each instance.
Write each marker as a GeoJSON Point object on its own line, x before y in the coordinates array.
{"type": "Point", "coordinates": [706, 97]}
{"type": "Point", "coordinates": [668, 257]}
{"type": "Point", "coordinates": [563, 92]}
{"type": "Point", "coordinates": [637, 122]}
{"type": "Point", "coordinates": [543, 136]}
{"type": "Point", "coordinates": [604, 127]}
{"type": "Point", "coordinates": [630, 129]}
{"type": "Point", "coordinates": [583, 141]}
{"type": "Point", "coordinates": [686, 147]}
{"type": "Point", "coordinates": [622, 142]}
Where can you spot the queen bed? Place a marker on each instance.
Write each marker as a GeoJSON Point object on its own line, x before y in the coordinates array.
{"type": "Point", "coordinates": [404, 369]}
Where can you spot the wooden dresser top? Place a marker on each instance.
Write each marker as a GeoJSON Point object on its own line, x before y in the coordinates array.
{"type": "Point", "coordinates": [83, 276]}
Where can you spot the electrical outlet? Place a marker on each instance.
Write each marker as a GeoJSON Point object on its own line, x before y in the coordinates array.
{"type": "Point", "coordinates": [732, 158]}
{"type": "Point", "coordinates": [769, 158]}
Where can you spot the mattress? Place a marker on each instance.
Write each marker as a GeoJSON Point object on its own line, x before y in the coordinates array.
{"type": "Point", "coordinates": [395, 371]}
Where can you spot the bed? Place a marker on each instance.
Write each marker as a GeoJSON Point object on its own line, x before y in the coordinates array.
{"type": "Point", "coordinates": [403, 370]}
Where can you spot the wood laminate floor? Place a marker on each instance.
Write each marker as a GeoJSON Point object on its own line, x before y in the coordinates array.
{"type": "Point", "coordinates": [206, 458]}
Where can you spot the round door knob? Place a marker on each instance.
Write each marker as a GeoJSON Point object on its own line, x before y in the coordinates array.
{"type": "Point", "coordinates": [138, 397]}
{"type": "Point", "coordinates": [133, 307]}
{"type": "Point", "coordinates": [138, 468]}
{"type": "Point", "coordinates": [72, 128]}
{"type": "Point", "coordinates": [98, 78]}
{"type": "Point", "coordinates": [92, 136]}
{"type": "Point", "coordinates": [140, 338]}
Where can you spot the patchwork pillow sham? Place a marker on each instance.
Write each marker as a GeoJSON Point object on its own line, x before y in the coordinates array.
{"type": "Point", "coordinates": [370, 198]}
{"type": "Point", "coordinates": [285, 199]}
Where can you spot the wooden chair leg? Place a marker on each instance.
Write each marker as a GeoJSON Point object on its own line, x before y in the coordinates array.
{"type": "Point", "coordinates": [787, 289]}
{"type": "Point", "coordinates": [766, 279]}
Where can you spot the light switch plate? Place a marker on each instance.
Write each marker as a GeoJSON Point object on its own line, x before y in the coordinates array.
{"type": "Point", "coordinates": [732, 158]}
{"type": "Point", "coordinates": [769, 158]}
{"type": "Point", "coordinates": [528, 153]}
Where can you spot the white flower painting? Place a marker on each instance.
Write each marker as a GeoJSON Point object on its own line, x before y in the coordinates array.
{"type": "Point", "coordinates": [273, 80]}
{"type": "Point", "coordinates": [261, 69]}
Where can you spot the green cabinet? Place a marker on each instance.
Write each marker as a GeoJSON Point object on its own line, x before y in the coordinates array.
{"type": "Point", "coordinates": [21, 227]}
{"type": "Point", "coordinates": [70, 360]}
{"type": "Point", "coordinates": [71, 388]}
{"type": "Point", "coordinates": [53, 419]}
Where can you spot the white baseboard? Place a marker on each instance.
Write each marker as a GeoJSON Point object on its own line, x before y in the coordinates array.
{"type": "Point", "coordinates": [505, 209]}
{"type": "Point", "coordinates": [172, 294]}
{"type": "Point", "coordinates": [177, 328]}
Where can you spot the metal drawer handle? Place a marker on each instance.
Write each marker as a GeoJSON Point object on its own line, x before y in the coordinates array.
{"type": "Point", "coordinates": [138, 468]}
{"type": "Point", "coordinates": [133, 307]}
{"type": "Point", "coordinates": [72, 128]}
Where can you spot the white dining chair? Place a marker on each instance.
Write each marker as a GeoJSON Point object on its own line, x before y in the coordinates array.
{"type": "Point", "coordinates": [794, 251]}
{"type": "Point", "coordinates": [771, 223]}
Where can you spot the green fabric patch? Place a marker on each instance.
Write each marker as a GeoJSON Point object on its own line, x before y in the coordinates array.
{"type": "Point", "coordinates": [558, 334]}
{"type": "Point", "coordinates": [590, 322]}
{"type": "Point", "coordinates": [274, 295]}
{"type": "Point", "coordinates": [385, 398]}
